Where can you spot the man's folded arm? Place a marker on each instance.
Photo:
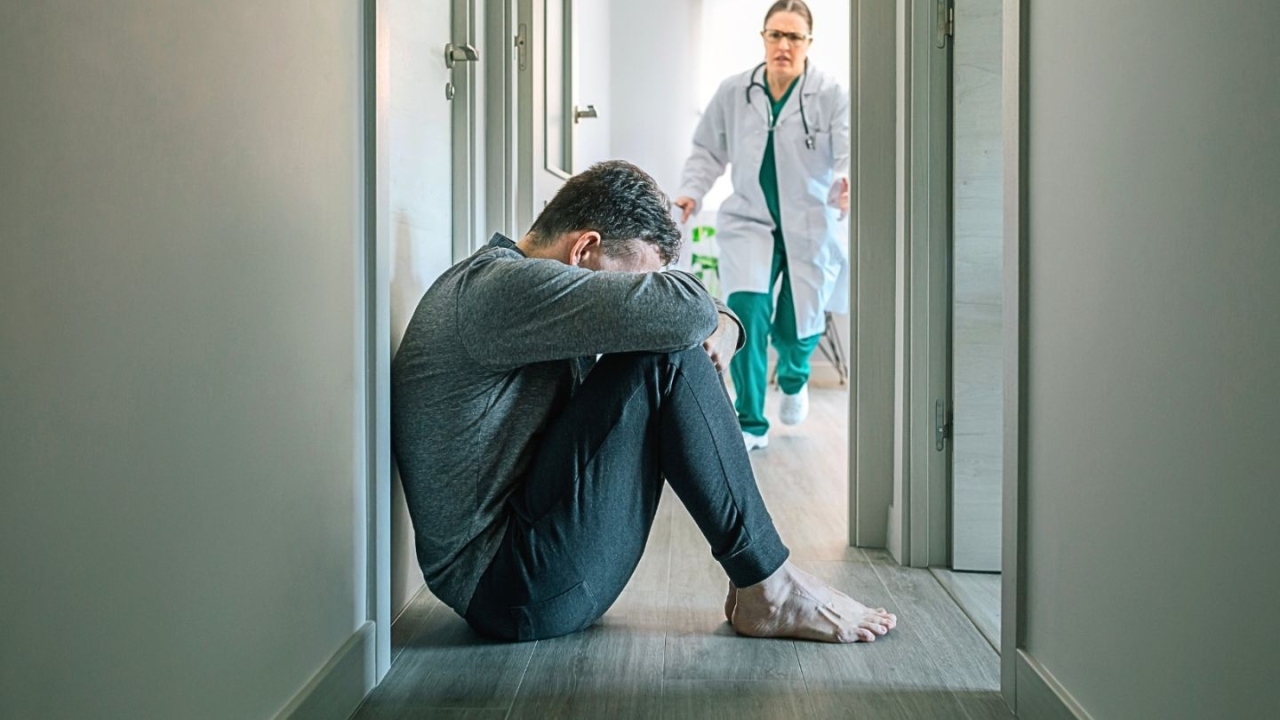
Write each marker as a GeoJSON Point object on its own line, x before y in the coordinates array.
{"type": "Point", "coordinates": [520, 312]}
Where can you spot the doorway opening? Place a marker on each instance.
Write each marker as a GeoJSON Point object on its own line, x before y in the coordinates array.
{"type": "Point", "coordinates": [618, 80]}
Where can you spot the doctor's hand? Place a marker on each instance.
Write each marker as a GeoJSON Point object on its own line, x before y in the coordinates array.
{"type": "Point", "coordinates": [688, 205]}
{"type": "Point", "coordinates": [844, 197]}
{"type": "Point", "coordinates": [723, 343]}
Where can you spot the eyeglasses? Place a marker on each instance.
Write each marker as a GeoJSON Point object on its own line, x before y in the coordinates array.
{"type": "Point", "coordinates": [773, 37]}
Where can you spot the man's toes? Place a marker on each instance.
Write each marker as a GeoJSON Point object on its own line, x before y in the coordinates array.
{"type": "Point", "coordinates": [874, 626]}
{"type": "Point", "coordinates": [854, 635]}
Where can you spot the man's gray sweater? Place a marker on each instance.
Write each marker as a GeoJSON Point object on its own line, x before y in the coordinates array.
{"type": "Point", "coordinates": [492, 353]}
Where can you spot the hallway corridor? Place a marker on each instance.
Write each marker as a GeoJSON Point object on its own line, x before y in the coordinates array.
{"type": "Point", "coordinates": [665, 651]}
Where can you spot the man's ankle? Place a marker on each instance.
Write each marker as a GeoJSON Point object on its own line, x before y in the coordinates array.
{"type": "Point", "coordinates": [774, 587]}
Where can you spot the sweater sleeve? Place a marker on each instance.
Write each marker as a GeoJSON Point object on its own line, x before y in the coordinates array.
{"type": "Point", "coordinates": [519, 311]}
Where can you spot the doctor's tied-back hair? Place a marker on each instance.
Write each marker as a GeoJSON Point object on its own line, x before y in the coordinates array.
{"type": "Point", "coordinates": [796, 6]}
{"type": "Point", "coordinates": [618, 200]}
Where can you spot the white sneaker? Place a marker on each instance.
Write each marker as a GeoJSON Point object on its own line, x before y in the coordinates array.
{"type": "Point", "coordinates": [795, 408]}
{"type": "Point", "coordinates": [755, 442]}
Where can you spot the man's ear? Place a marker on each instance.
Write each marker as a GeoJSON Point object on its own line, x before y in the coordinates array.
{"type": "Point", "coordinates": [585, 248]}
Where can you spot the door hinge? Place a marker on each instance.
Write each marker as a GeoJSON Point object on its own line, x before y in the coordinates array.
{"type": "Point", "coordinates": [946, 22]}
{"type": "Point", "coordinates": [942, 425]}
{"type": "Point", "coordinates": [522, 46]}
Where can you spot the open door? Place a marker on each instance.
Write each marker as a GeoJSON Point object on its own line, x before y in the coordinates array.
{"type": "Point", "coordinates": [977, 368]}
{"type": "Point", "coordinates": [546, 110]}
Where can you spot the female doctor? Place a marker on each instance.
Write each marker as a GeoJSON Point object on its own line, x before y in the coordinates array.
{"type": "Point", "coordinates": [784, 129]}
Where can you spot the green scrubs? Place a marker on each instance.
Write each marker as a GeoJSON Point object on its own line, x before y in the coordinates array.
{"type": "Point", "coordinates": [750, 366]}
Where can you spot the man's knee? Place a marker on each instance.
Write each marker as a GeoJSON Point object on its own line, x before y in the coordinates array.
{"type": "Point", "coordinates": [645, 360]}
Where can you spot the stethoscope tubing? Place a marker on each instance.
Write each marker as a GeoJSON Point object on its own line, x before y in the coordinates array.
{"type": "Point", "coordinates": [804, 78]}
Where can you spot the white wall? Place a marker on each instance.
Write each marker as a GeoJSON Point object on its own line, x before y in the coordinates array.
{"type": "Point", "coordinates": [1154, 310]}
{"type": "Point", "coordinates": [181, 532]}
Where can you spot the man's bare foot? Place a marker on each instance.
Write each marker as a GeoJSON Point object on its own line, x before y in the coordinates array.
{"type": "Point", "coordinates": [730, 602]}
{"type": "Point", "coordinates": [794, 604]}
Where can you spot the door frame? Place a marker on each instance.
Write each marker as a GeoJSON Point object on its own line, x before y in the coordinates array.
{"type": "Point", "coordinates": [927, 247]}
{"type": "Point", "coordinates": [920, 517]}
{"type": "Point", "coordinates": [874, 286]}
{"type": "Point", "coordinates": [376, 322]}
{"type": "Point", "coordinates": [468, 161]}
{"type": "Point", "coordinates": [499, 149]}
{"type": "Point", "coordinates": [535, 176]}
{"type": "Point", "coordinates": [470, 171]}
{"type": "Point", "coordinates": [931, 237]}
{"type": "Point", "coordinates": [1013, 595]}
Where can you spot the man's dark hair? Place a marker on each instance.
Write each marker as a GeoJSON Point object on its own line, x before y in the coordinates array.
{"type": "Point", "coordinates": [618, 200]}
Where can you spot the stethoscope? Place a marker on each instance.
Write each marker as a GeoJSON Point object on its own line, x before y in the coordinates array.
{"type": "Point", "coordinates": [804, 78]}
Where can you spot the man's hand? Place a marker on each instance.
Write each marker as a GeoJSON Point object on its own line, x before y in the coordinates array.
{"type": "Point", "coordinates": [722, 343]}
{"type": "Point", "coordinates": [844, 198]}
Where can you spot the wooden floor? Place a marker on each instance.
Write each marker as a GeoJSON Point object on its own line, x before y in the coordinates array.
{"type": "Point", "coordinates": [978, 594]}
{"type": "Point", "coordinates": [665, 651]}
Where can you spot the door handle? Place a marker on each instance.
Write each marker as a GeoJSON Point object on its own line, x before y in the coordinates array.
{"type": "Point", "coordinates": [460, 53]}
{"type": "Point", "coordinates": [942, 426]}
{"type": "Point", "coordinates": [587, 113]}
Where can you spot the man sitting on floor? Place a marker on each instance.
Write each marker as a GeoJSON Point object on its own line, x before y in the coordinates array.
{"type": "Point", "coordinates": [533, 470]}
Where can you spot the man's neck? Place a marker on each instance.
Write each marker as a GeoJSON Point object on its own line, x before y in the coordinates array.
{"type": "Point", "coordinates": [528, 247]}
{"type": "Point", "coordinates": [543, 251]}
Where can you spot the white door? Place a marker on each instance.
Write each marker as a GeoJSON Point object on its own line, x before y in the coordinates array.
{"type": "Point", "coordinates": [546, 109]}
{"type": "Point", "coordinates": [976, 302]}
{"type": "Point", "coordinates": [421, 196]}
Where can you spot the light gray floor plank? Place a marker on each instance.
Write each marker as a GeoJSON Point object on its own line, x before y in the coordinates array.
{"type": "Point", "coordinates": [978, 594]}
{"type": "Point", "coordinates": [893, 677]}
{"type": "Point", "coordinates": [700, 644]}
{"type": "Point", "coordinates": [611, 670]}
{"type": "Point", "coordinates": [414, 712]}
{"type": "Point", "coordinates": [804, 475]}
{"type": "Point", "coordinates": [446, 665]}
{"type": "Point", "coordinates": [411, 621]}
{"type": "Point", "coordinates": [652, 573]}
{"type": "Point", "coordinates": [742, 700]}
{"type": "Point", "coordinates": [968, 665]}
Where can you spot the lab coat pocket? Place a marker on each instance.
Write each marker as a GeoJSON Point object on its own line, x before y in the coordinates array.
{"type": "Point", "coordinates": [832, 256]}
{"type": "Point", "coordinates": [825, 229]}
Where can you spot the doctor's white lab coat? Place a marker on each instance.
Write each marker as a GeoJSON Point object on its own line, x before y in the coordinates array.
{"type": "Point", "coordinates": [733, 133]}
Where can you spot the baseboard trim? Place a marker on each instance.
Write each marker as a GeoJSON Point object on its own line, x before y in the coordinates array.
{"type": "Point", "coordinates": [1041, 696]}
{"type": "Point", "coordinates": [341, 685]}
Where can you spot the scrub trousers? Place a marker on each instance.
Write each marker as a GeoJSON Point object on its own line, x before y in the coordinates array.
{"type": "Point", "coordinates": [750, 366]}
{"type": "Point", "coordinates": [578, 522]}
